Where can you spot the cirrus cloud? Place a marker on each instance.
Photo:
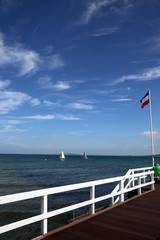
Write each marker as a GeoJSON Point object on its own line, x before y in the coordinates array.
{"type": "Point", "coordinates": [35, 102]}
{"type": "Point", "coordinates": [93, 7]}
{"type": "Point", "coordinates": [78, 105]}
{"type": "Point", "coordinates": [148, 133]}
{"type": "Point", "coordinates": [39, 117]}
{"type": "Point", "coordinates": [4, 83]}
{"type": "Point", "coordinates": [103, 31]}
{"type": "Point", "coordinates": [122, 100]}
{"type": "Point", "coordinates": [50, 117]}
{"type": "Point", "coordinates": [27, 61]}
{"type": "Point", "coordinates": [10, 128]}
{"type": "Point", "coordinates": [146, 75]}
{"type": "Point", "coordinates": [10, 100]}
{"type": "Point", "coordinates": [47, 83]}
{"type": "Point", "coordinates": [67, 117]}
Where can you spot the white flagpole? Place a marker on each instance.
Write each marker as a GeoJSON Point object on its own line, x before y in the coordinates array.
{"type": "Point", "coordinates": [151, 128]}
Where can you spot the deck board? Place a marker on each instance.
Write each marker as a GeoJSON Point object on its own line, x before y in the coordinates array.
{"type": "Point", "coordinates": [136, 219]}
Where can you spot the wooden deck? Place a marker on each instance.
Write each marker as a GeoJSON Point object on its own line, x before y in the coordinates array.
{"type": "Point", "coordinates": [136, 219]}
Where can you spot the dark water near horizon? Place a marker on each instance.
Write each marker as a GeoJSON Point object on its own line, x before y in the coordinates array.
{"type": "Point", "coordinates": [20, 173]}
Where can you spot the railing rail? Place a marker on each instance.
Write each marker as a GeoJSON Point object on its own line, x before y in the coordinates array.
{"type": "Point", "coordinates": [131, 181]}
{"type": "Point", "coordinates": [118, 191]}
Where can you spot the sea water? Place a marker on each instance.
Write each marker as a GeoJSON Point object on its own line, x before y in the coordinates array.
{"type": "Point", "coordinates": [21, 173]}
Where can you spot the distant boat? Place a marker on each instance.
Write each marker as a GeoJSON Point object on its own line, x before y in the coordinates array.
{"type": "Point", "coordinates": [85, 156]}
{"type": "Point", "coordinates": [62, 157]}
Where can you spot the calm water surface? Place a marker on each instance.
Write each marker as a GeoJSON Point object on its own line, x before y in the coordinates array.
{"type": "Point", "coordinates": [20, 173]}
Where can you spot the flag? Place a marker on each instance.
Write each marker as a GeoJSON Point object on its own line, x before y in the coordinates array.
{"type": "Point", "coordinates": [145, 100]}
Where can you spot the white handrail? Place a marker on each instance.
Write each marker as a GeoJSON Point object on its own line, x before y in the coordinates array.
{"type": "Point", "coordinates": [118, 191]}
{"type": "Point", "coordinates": [48, 191]}
{"type": "Point", "coordinates": [130, 172]}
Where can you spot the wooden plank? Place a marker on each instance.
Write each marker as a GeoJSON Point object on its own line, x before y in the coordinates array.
{"type": "Point", "coordinates": [136, 219]}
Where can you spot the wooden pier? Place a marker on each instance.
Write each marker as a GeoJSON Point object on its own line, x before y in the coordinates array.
{"type": "Point", "coordinates": [137, 218]}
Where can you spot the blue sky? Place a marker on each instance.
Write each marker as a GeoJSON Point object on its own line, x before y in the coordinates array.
{"type": "Point", "coordinates": [72, 74]}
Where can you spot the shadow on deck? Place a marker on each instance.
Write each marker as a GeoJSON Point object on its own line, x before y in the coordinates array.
{"type": "Point", "coordinates": [138, 218]}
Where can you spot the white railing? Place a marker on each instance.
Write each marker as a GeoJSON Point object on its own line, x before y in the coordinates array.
{"type": "Point", "coordinates": [131, 181]}
{"type": "Point", "coordinates": [127, 183]}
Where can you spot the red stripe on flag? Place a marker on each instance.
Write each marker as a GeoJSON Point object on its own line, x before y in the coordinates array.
{"type": "Point", "coordinates": [144, 103]}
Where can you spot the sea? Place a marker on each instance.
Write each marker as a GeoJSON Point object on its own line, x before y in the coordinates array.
{"type": "Point", "coordinates": [20, 173]}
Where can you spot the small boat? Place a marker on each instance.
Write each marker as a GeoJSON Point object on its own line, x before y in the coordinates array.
{"type": "Point", "coordinates": [85, 156]}
{"type": "Point", "coordinates": [62, 157]}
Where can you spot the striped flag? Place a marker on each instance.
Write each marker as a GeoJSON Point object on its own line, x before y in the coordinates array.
{"type": "Point", "coordinates": [145, 100]}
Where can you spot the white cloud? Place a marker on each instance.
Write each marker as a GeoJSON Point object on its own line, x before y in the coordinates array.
{"type": "Point", "coordinates": [92, 9]}
{"type": "Point", "coordinates": [50, 117]}
{"type": "Point", "coordinates": [153, 43]}
{"type": "Point", "coordinates": [49, 103]}
{"type": "Point", "coordinates": [11, 122]}
{"type": "Point", "coordinates": [27, 61]}
{"type": "Point", "coordinates": [124, 10]}
{"type": "Point", "coordinates": [104, 91]}
{"type": "Point", "coordinates": [103, 31]}
{"type": "Point", "coordinates": [39, 117]}
{"type": "Point", "coordinates": [54, 61]}
{"type": "Point", "coordinates": [148, 133]}
{"type": "Point", "coordinates": [10, 100]}
{"type": "Point", "coordinates": [10, 128]}
{"type": "Point", "coordinates": [122, 100]}
{"type": "Point", "coordinates": [95, 7]}
{"type": "Point", "coordinates": [35, 102]}
{"type": "Point", "coordinates": [46, 83]}
{"type": "Point", "coordinates": [61, 85]}
{"type": "Point", "coordinates": [147, 75]}
{"type": "Point", "coordinates": [69, 117]}
{"type": "Point", "coordinates": [78, 105]}
{"type": "Point", "coordinates": [4, 83]}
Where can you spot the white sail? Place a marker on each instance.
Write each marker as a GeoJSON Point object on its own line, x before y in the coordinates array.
{"type": "Point", "coordinates": [62, 157]}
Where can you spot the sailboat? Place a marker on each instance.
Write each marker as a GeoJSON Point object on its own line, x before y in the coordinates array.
{"type": "Point", "coordinates": [85, 156]}
{"type": "Point", "coordinates": [62, 157]}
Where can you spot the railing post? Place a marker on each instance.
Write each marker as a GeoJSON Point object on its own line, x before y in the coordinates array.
{"type": "Point", "coordinates": [144, 181]}
{"type": "Point", "coordinates": [92, 197]}
{"type": "Point", "coordinates": [133, 184]}
{"type": "Point", "coordinates": [112, 201]}
{"type": "Point", "coordinates": [121, 188]}
{"type": "Point", "coordinates": [139, 184]}
{"type": "Point", "coordinates": [152, 179]}
{"type": "Point", "coordinates": [44, 207]}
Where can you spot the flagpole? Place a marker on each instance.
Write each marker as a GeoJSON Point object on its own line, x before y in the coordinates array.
{"type": "Point", "coordinates": [151, 128]}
